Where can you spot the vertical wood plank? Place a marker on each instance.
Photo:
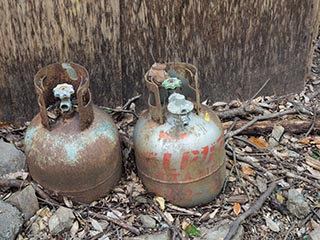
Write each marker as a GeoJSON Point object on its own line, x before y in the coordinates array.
{"type": "Point", "coordinates": [36, 33]}
{"type": "Point", "coordinates": [237, 45]}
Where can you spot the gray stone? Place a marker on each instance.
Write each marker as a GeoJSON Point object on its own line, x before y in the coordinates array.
{"type": "Point", "coordinates": [165, 235]}
{"type": "Point", "coordinates": [297, 205]}
{"type": "Point", "coordinates": [61, 220]}
{"type": "Point", "coordinates": [11, 159]}
{"type": "Point", "coordinates": [315, 234]}
{"type": "Point", "coordinates": [276, 134]}
{"type": "Point", "coordinates": [147, 221]}
{"type": "Point", "coordinates": [26, 201]}
{"type": "Point", "coordinates": [10, 221]}
{"type": "Point", "coordinates": [220, 231]}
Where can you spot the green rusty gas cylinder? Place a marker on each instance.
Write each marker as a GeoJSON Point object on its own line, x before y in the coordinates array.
{"type": "Point", "coordinates": [179, 145]}
{"type": "Point", "coordinates": [72, 147]}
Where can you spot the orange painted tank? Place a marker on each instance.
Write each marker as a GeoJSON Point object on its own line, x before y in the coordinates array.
{"type": "Point", "coordinates": [179, 144]}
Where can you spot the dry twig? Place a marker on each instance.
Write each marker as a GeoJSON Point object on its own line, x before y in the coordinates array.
{"type": "Point", "coordinates": [116, 221]}
{"type": "Point", "coordinates": [257, 205]}
{"type": "Point", "coordinates": [189, 212]}
{"type": "Point", "coordinates": [242, 111]}
{"type": "Point", "coordinates": [172, 227]}
{"type": "Point", "coordinates": [259, 118]}
{"type": "Point", "coordinates": [313, 183]}
{"type": "Point", "coordinates": [291, 125]}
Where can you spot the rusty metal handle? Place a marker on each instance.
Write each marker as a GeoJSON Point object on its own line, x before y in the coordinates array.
{"type": "Point", "coordinates": [185, 71]}
{"type": "Point", "coordinates": [85, 104]}
{"type": "Point", "coordinates": [76, 75]}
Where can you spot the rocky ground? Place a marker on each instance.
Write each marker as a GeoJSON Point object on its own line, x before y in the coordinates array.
{"type": "Point", "coordinates": [271, 190]}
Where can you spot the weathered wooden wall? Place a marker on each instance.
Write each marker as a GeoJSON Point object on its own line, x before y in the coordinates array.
{"type": "Point", "coordinates": [237, 45]}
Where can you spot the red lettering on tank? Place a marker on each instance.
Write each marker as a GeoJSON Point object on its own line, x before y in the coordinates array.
{"type": "Point", "coordinates": [167, 161]}
{"type": "Point", "coordinates": [184, 160]}
{"type": "Point", "coordinates": [150, 155]}
{"type": "Point", "coordinates": [182, 135]}
{"type": "Point", "coordinates": [164, 135]}
{"type": "Point", "coordinates": [174, 176]}
{"type": "Point", "coordinates": [160, 175]}
{"type": "Point", "coordinates": [188, 177]}
{"type": "Point", "coordinates": [205, 151]}
{"type": "Point", "coordinates": [196, 153]}
{"type": "Point", "coordinates": [211, 155]}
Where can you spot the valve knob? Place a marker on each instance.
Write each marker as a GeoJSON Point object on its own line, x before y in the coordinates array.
{"type": "Point", "coordinates": [179, 105]}
{"type": "Point", "coordinates": [64, 92]}
{"type": "Point", "coordinates": [171, 83]}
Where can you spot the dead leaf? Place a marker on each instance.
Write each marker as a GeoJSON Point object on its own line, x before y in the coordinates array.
{"type": "Point", "coordinates": [305, 141]}
{"type": "Point", "coordinates": [313, 162]}
{"type": "Point", "coordinates": [260, 142]}
{"type": "Point", "coordinates": [161, 202]}
{"type": "Point", "coordinates": [236, 208]}
{"type": "Point", "coordinates": [184, 225]}
{"type": "Point", "coordinates": [279, 197]}
{"type": "Point", "coordinates": [67, 202]}
{"type": "Point", "coordinates": [219, 104]}
{"type": "Point", "coordinates": [5, 124]}
{"type": "Point", "coordinates": [204, 217]}
{"type": "Point", "coordinates": [242, 199]}
{"type": "Point", "coordinates": [314, 172]}
{"type": "Point", "coordinates": [272, 225]}
{"type": "Point", "coordinates": [213, 214]}
{"type": "Point", "coordinates": [262, 184]}
{"type": "Point", "coordinates": [17, 175]}
{"type": "Point", "coordinates": [96, 225]}
{"type": "Point", "coordinates": [248, 170]}
{"type": "Point", "coordinates": [74, 229]}
{"type": "Point", "coordinates": [169, 216]}
{"type": "Point", "coordinates": [114, 214]}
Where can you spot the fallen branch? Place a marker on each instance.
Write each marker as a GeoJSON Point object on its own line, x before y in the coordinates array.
{"type": "Point", "coordinates": [186, 211]}
{"type": "Point", "coordinates": [241, 111]}
{"type": "Point", "coordinates": [259, 118]}
{"type": "Point", "coordinates": [116, 221]}
{"type": "Point", "coordinates": [291, 125]}
{"type": "Point", "coordinates": [125, 108]}
{"type": "Point", "coordinates": [131, 100]}
{"type": "Point", "coordinates": [246, 108]}
{"type": "Point", "coordinates": [313, 183]}
{"type": "Point", "coordinates": [172, 227]}
{"type": "Point", "coordinates": [17, 183]}
{"type": "Point", "coordinates": [257, 205]}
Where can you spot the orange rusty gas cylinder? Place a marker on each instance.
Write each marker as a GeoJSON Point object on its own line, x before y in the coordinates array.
{"type": "Point", "coordinates": [72, 147]}
{"type": "Point", "coordinates": [179, 144]}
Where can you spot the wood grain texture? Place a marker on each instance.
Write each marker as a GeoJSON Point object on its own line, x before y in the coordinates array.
{"type": "Point", "coordinates": [36, 33]}
{"type": "Point", "coordinates": [236, 45]}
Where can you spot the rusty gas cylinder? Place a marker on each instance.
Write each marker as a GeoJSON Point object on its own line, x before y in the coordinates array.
{"type": "Point", "coordinates": [72, 147]}
{"type": "Point", "coordinates": [179, 145]}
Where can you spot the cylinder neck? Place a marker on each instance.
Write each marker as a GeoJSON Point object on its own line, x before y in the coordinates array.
{"type": "Point", "coordinates": [158, 94]}
{"type": "Point", "coordinates": [72, 74]}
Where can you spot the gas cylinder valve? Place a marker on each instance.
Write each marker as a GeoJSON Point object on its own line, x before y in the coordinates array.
{"type": "Point", "coordinates": [178, 105]}
{"type": "Point", "coordinates": [64, 92]}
